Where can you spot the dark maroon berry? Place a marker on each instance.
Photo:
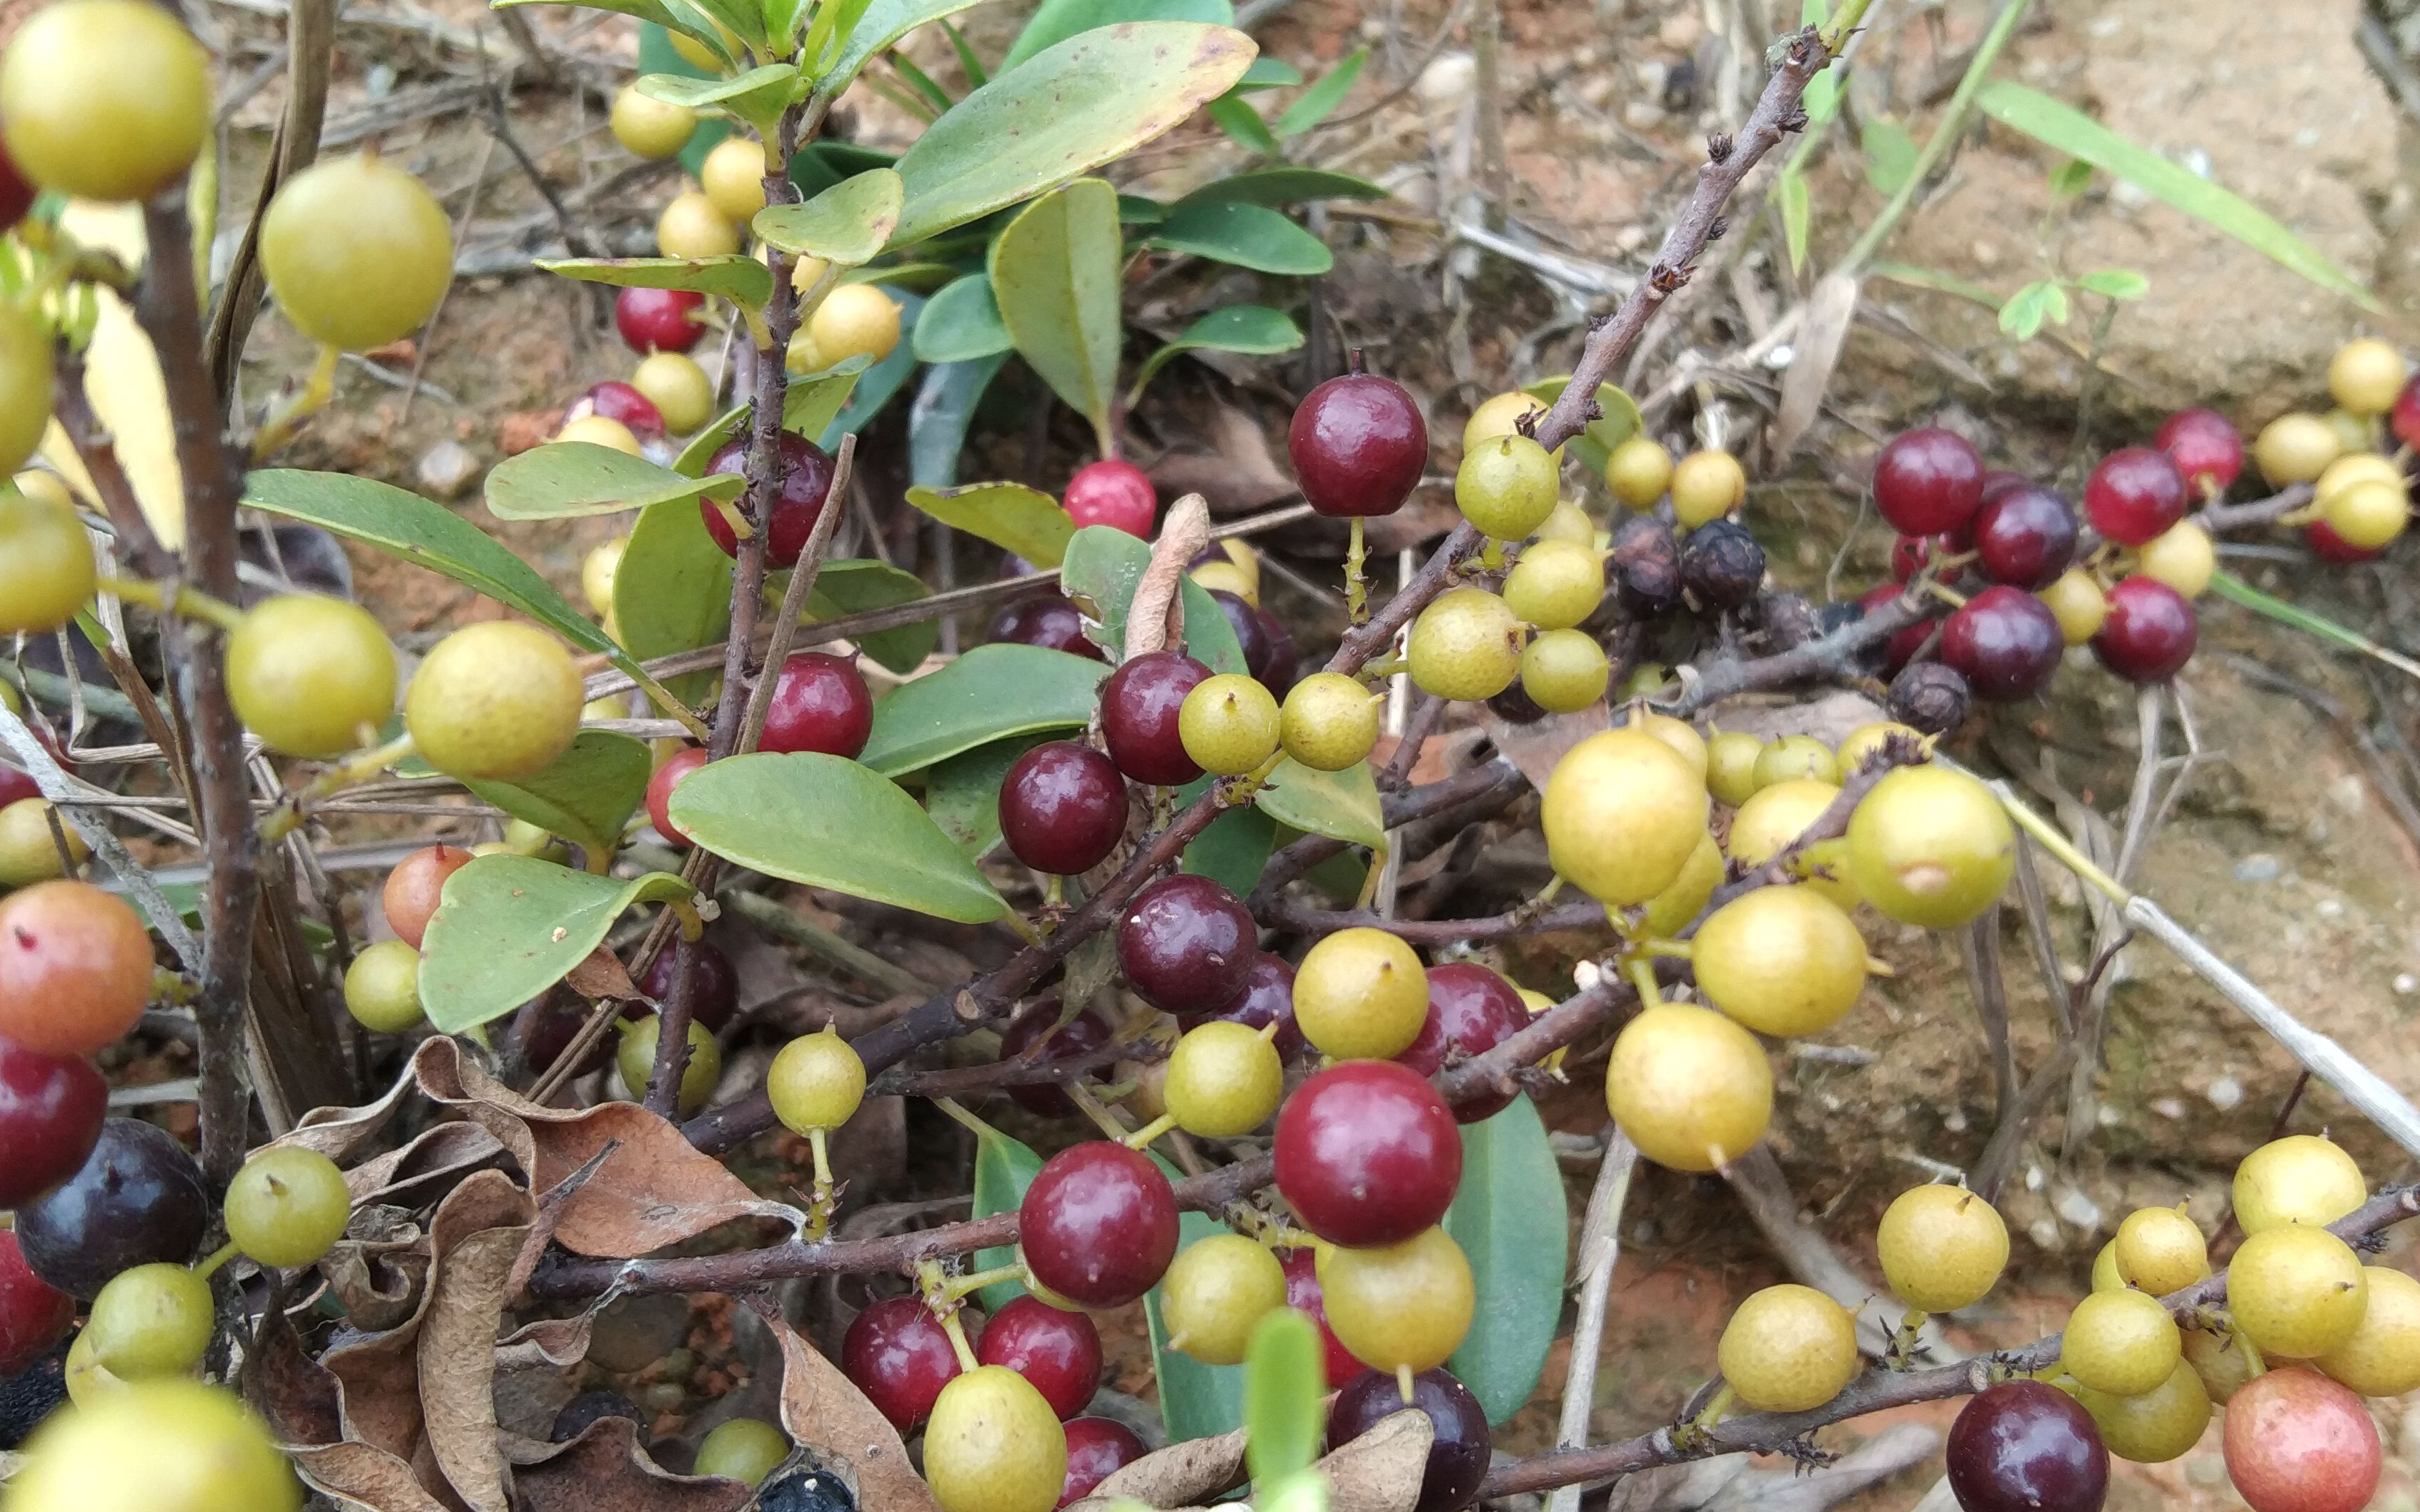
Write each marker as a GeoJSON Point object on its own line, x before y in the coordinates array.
{"type": "Point", "coordinates": [1513, 707]}
{"type": "Point", "coordinates": [1284, 663]}
{"type": "Point", "coordinates": [660, 319]}
{"type": "Point", "coordinates": [1188, 944]}
{"type": "Point", "coordinates": [2025, 536]}
{"type": "Point", "coordinates": [1087, 1031]}
{"type": "Point", "coordinates": [15, 785]}
{"type": "Point", "coordinates": [1304, 1296]}
{"type": "Point", "coordinates": [1063, 808]}
{"type": "Point", "coordinates": [2134, 495]}
{"type": "Point", "coordinates": [1459, 1451]}
{"type": "Point", "coordinates": [1358, 445]}
{"type": "Point", "coordinates": [16, 198]}
{"type": "Point", "coordinates": [1268, 998]}
{"type": "Point", "coordinates": [2205, 448]}
{"type": "Point", "coordinates": [1471, 1009]}
{"type": "Point", "coordinates": [1927, 481]}
{"type": "Point", "coordinates": [2023, 1447]}
{"type": "Point", "coordinates": [900, 1356]}
{"type": "Point", "coordinates": [51, 1113]}
{"type": "Point", "coordinates": [1250, 637]}
{"type": "Point", "coordinates": [1047, 620]}
{"type": "Point", "coordinates": [2006, 643]}
{"type": "Point", "coordinates": [1787, 620]}
{"type": "Point", "coordinates": [2319, 536]}
{"type": "Point", "coordinates": [617, 401]}
{"type": "Point", "coordinates": [1098, 1225]}
{"type": "Point", "coordinates": [138, 1199]}
{"type": "Point", "coordinates": [1114, 493]}
{"type": "Point", "coordinates": [2149, 633]}
{"type": "Point", "coordinates": [587, 1408]}
{"type": "Point", "coordinates": [1721, 564]}
{"type": "Point", "coordinates": [1367, 1153]}
{"type": "Point", "coordinates": [1138, 706]}
{"type": "Point", "coordinates": [819, 702]}
{"type": "Point", "coordinates": [1058, 1352]}
{"type": "Point", "coordinates": [34, 1315]}
{"type": "Point", "coordinates": [1929, 698]}
{"type": "Point", "coordinates": [806, 481]}
{"type": "Point", "coordinates": [714, 989]}
{"type": "Point", "coordinates": [1097, 1448]}
{"type": "Point", "coordinates": [1996, 481]}
{"type": "Point", "coordinates": [557, 1024]}
{"type": "Point", "coordinates": [1645, 567]}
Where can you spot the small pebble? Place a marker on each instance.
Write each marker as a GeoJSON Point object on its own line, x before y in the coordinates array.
{"type": "Point", "coordinates": [2076, 1210]}
{"type": "Point", "coordinates": [2169, 1107]}
{"type": "Point", "coordinates": [2044, 1233]}
{"type": "Point", "coordinates": [2226, 1094]}
{"type": "Point", "coordinates": [2331, 908]}
{"type": "Point", "coordinates": [2406, 984]}
{"type": "Point", "coordinates": [2259, 866]}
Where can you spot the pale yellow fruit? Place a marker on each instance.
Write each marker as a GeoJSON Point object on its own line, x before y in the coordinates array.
{"type": "Point", "coordinates": [1621, 812]}
{"type": "Point", "coordinates": [733, 176]}
{"type": "Point", "coordinates": [601, 430]}
{"type": "Point", "coordinates": [650, 127]}
{"type": "Point", "coordinates": [691, 228]}
{"type": "Point", "coordinates": [680, 389]}
{"type": "Point", "coordinates": [855, 320]}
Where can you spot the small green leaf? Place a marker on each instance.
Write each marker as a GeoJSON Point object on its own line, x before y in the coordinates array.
{"type": "Point", "coordinates": [565, 480]}
{"type": "Point", "coordinates": [853, 586]}
{"type": "Point", "coordinates": [2022, 315]}
{"type": "Point", "coordinates": [1939, 282]}
{"type": "Point", "coordinates": [942, 414]}
{"type": "Point", "coordinates": [1055, 271]}
{"type": "Point", "coordinates": [835, 22]}
{"type": "Point", "coordinates": [815, 399]}
{"type": "Point", "coordinates": [1025, 521]}
{"type": "Point", "coordinates": [990, 693]}
{"type": "Point", "coordinates": [1316, 103]}
{"type": "Point", "coordinates": [742, 19]}
{"type": "Point", "coordinates": [1004, 1167]}
{"type": "Point", "coordinates": [1055, 20]}
{"type": "Point", "coordinates": [1616, 424]}
{"type": "Point", "coordinates": [2070, 178]}
{"type": "Point", "coordinates": [1233, 115]}
{"type": "Point", "coordinates": [973, 66]}
{"type": "Point", "coordinates": [1244, 235]}
{"type": "Point", "coordinates": [963, 792]}
{"type": "Point", "coordinates": [1285, 1376]}
{"type": "Point", "coordinates": [673, 591]}
{"type": "Point", "coordinates": [1282, 186]}
{"type": "Point", "coordinates": [1196, 1401]}
{"type": "Point", "coordinates": [1339, 805]}
{"type": "Point", "coordinates": [1890, 154]}
{"type": "Point", "coordinates": [885, 22]}
{"type": "Point", "coordinates": [742, 280]}
{"type": "Point", "coordinates": [1822, 100]}
{"type": "Point", "coordinates": [1510, 1217]}
{"type": "Point", "coordinates": [827, 822]}
{"type": "Point", "coordinates": [1103, 567]}
{"type": "Point", "coordinates": [1796, 215]}
{"type": "Point", "coordinates": [1235, 850]}
{"type": "Point", "coordinates": [586, 794]}
{"type": "Point", "coordinates": [748, 95]}
{"type": "Point", "coordinates": [847, 223]}
{"type": "Point", "coordinates": [1269, 73]}
{"type": "Point", "coordinates": [1252, 329]}
{"type": "Point", "coordinates": [512, 926]}
{"type": "Point", "coordinates": [918, 80]}
{"type": "Point", "coordinates": [962, 323]}
{"type": "Point", "coordinates": [822, 163]}
{"type": "Point", "coordinates": [2115, 284]}
{"type": "Point", "coordinates": [1135, 209]}
{"type": "Point", "coordinates": [2055, 303]}
{"type": "Point", "coordinates": [1813, 13]}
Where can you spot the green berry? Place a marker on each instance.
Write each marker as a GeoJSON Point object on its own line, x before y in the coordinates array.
{"type": "Point", "coordinates": [2159, 1425]}
{"type": "Point", "coordinates": [382, 987]}
{"type": "Point", "coordinates": [816, 1082]}
{"type": "Point", "coordinates": [156, 1446]}
{"type": "Point", "coordinates": [288, 1206]}
{"type": "Point", "coordinates": [1731, 766]}
{"type": "Point", "coordinates": [1555, 584]}
{"type": "Point", "coordinates": [46, 567]}
{"type": "Point", "coordinates": [1506, 486]}
{"type": "Point", "coordinates": [1794, 756]}
{"type": "Point", "coordinates": [105, 99]}
{"type": "Point", "coordinates": [1215, 1291]}
{"type": "Point", "coordinates": [1639, 472]}
{"type": "Point", "coordinates": [310, 676]}
{"type": "Point", "coordinates": [1669, 911]}
{"type": "Point", "coordinates": [357, 251]}
{"type": "Point", "coordinates": [1621, 814]}
{"type": "Point", "coordinates": [1568, 523]}
{"type": "Point", "coordinates": [1931, 846]}
{"type": "Point", "coordinates": [2120, 1342]}
{"type": "Point", "coordinates": [2159, 1250]}
{"type": "Point", "coordinates": [1223, 1080]}
{"type": "Point", "coordinates": [1229, 724]}
{"type": "Point", "coordinates": [1466, 645]}
{"type": "Point", "coordinates": [1329, 722]}
{"type": "Point", "coordinates": [26, 374]}
{"type": "Point", "coordinates": [150, 1320]}
{"type": "Point", "coordinates": [1564, 670]}
{"type": "Point", "coordinates": [1781, 960]}
{"type": "Point", "coordinates": [635, 1058]}
{"type": "Point", "coordinates": [745, 1449]}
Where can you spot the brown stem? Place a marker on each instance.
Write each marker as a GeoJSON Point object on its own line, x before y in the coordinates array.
{"type": "Point", "coordinates": [1504, 926]}
{"type": "Point", "coordinates": [1832, 655]}
{"type": "Point", "coordinates": [1470, 794]}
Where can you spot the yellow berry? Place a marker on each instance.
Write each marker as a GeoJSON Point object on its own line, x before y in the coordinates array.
{"type": "Point", "coordinates": [1943, 1247]}
{"type": "Point", "coordinates": [1621, 814]}
{"type": "Point", "coordinates": [494, 700]}
{"type": "Point", "coordinates": [26, 376]}
{"type": "Point", "coordinates": [2383, 1356]}
{"type": "Point", "coordinates": [357, 251]}
{"type": "Point", "coordinates": [288, 1207]}
{"type": "Point", "coordinates": [1706, 485]}
{"type": "Point", "coordinates": [1782, 961]}
{"type": "Point", "coordinates": [2078, 603]}
{"type": "Point", "coordinates": [1931, 846]}
{"type": "Point", "coordinates": [1777, 815]}
{"type": "Point", "coordinates": [2120, 1342]}
{"type": "Point", "coordinates": [1360, 994]}
{"type": "Point", "coordinates": [1691, 1089]}
{"type": "Point", "coordinates": [2159, 1250]}
{"type": "Point", "coordinates": [1223, 1080]}
{"type": "Point", "coordinates": [733, 178]}
{"type": "Point", "coordinates": [2181, 556]}
{"type": "Point", "coordinates": [1678, 734]}
{"type": "Point", "coordinates": [1215, 1292]}
{"type": "Point", "coordinates": [2301, 1178]}
{"type": "Point", "coordinates": [815, 1081]}
{"type": "Point", "coordinates": [1564, 670]}
{"type": "Point", "coordinates": [1860, 744]}
{"type": "Point", "coordinates": [1555, 584]}
{"type": "Point", "coordinates": [680, 389]}
{"type": "Point", "coordinates": [2220, 1358]}
{"type": "Point", "coordinates": [1731, 766]}
{"type": "Point", "coordinates": [1639, 472]}
{"type": "Point", "coordinates": [46, 567]}
{"type": "Point", "coordinates": [649, 127]}
{"type": "Point", "coordinates": [745, 1449]}
{"type": "Point", "coordinates": [597, 572]}
{"type": "Point", "coordinates": [155, 1447]}
{"type": "Point", "coordinates": [105, 99]}
{"type": "Point", "coordinates": [1669, 911]}
{"type": "Point", "coordinates": [601, 430]}
{"type": "Point", "coordinates": [691, 228]}
{"type": "Point", "coordinates": [2355, 466]}
{"type": "Point", "coordinates": [1225, 577]}
{"type": "Point", "coordinates": [855, 320]}
{"type": "Point", "coordinates": [2367, 516]}
{"type": "Point", "coordinates": [1506, 486]}
{"type": "Point", "coordinates": [1404, 1305]}
{"type": "Point", "coordinates": [2297, 1292]}
{"type": "Point", "coordinates": [993, 1445]}
{"type": "Point", "coordinates": [29, 848]}
{"type": "Point", "coordinates": [150, 1320]}
{"type": "Point", "coordinates": [1329, 722]}
{"type": "Point", "coordinates": [2106, 1275]}
{"type": "Point", "coordinates": [1568, 523]}
{"type": "Point", "coordinates": [1789, 1349]}
{"type": "Point", "coordinates": [634, 1060]}
{"type": "Point", "coordinates": [1796, 756]}
{"type": "Point", "coordinates": [2156, 1427]}
{"type": "Point", "coordinates": [382, 987]}
{"type": "Point", "coordinates": [310, 676]}
{"type": "Point", "coordinates": [1229, 724]}
{"type": "Point", "coordinates": [1501, 416]}
{"type": "Point", "coordinates": [2295, 448]}
{"type": "Point", "coordinates": [1466, 645]}
{"type": "Point", "coordinates": [2365, 376]}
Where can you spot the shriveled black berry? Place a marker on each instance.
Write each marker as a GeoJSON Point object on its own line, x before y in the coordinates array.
{"type": "Point", "coordinates": [1721, 564]}
{"type": "Point", "coordinates": [1646, 568]}
{"type": "Point", "coordinates": [806, 1491]}
{"type": "Point", "coordinates": [587, 1408]}
{"type": "Point", "coordinates": [1513, 707]}
{"type": "Point", "coordinates": [31, 1395]}
{"type": "Point", "coordinates": [1930, 698]}
{"type": "Point", "coordinates": [1787, 620]}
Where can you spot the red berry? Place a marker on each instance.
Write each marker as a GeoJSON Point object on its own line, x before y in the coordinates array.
{"type": "Point", "coordinates": [1098, 1225]}
{"type": "Point", "coordinates": [2022, 1446]}
{"type": "Point", "coordinates": [1903, 644]}
{"type": "Point", "coordinates": [616, 400]}
{"type": "Point", "coordinates": [15, 785]}
{"type": "Point", "coordinates": [2205, 446]}
{"type": "Point", "coordinates": [714, 988]}
{"type": "Point", "coordinates": [659, 792]}
{"type": "Point", "coordinates": [1063, 808]}
{"type": "Point", "coordinates": [1114, 493]}
{"type": "Point", "coordinates": [660, 319]}
{"type": "Point", "coordinates": [2134, 495]}
{"type": "Point", "coordinates": [1909, 554]}
{"type": "Point", "coordinates": [137, 1198]}
{"type": "Point", "coordinates": [416, 887]}
{"type": "Point", "coordinates": [34, 1315]}
{"type": "Point", "coordinates": [1268, 998]}
{"type": "Point", "coordinates": [1278, 678]}
{"type": "Point", "coordinates": [1927, 481]}
{"type": "Point", "coordinates": [2328, 545]}
{"type": "Point", "coordinates": [1358, 445]}
{"type": "Point", "coordinates": [1458, 1453]}
{"type": "Point", "coordinates": [16, 198]}
{"type": "Point", "coordinates": [1471, 1009]}
{"type": "Point", "coordinates": [900, 1356]}
{"type": "Point", "coordinates": [1367, 1154]}
{"type": "Point", "coordinates": [1999, 481]}
{"type": "Point", "coordinates": [2150, 632]}
{"type": "Point", "coordinates": [1049, 620]}
{"type": "Point", "coordinates": [2005, 642]}
{"type": "Point", "coordinates": [51, 1113]}
{"type": "Point", "coordinates": [1060, 1352]}
{"type": "Point", "coordinates": [2296, 1442]}
{"type": "Point", "coordinates": [820, 703]}
{"type": "Point", "coordinates": [2025, 536]}
{"type": "Point", "coordinates": [1097, 1448]}
{"type": "Point", "coordinates": [1138, 707]}
{"type": "Point", "coordinates": [806, 482]}
{"type": "Point", "coordinates": [1188, 944]}
{"type": "Point", "coordinates": [1086, 1031]}
{"type": "Point", "coordinates": [1303, 1295]}
{"type": "Point", "coordinates": [2404, 419]}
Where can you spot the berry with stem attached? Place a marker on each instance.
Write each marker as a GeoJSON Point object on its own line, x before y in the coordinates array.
{"type": "Point", "coordinates": [1328, 722]}
{"type": "Point", "coordinates": [75, 968]}
{"type": "Point", "coordinates": [806, 483]}
{"type": "Point", "coordinates": [1639, 470]}
{"type": "Point", "coordinates": [2302, 1179]}
{"type": "Point", "coordinates": [1782, 961]}
{"type": "Point", "coordinates": [1360, 994]}
{"type": "Point", "coordinates": [1564, 670]}
{"type": "Point", "coordinates": [1358, 445]}
{"type": "Point", "coordinates": [660, 319]}
{"type": "Point", "coordinates": [2023, 1447]}
{"type": "Point", "coordinates": [820, 703]}
{"type": "Point", "coordinates": [2135, 494]}
{"type": "Point", "coordinates": [1223, 1080]}
{"type": "Point", "coordinates": [1215, 1290]}
{"type": "Point", "coordinates": [898, 1353]}
{"type": "Point", "coordinates": [2120, 1342]}
{"type": "Point", "coordinates": [50, 1112]}
{"type": "Point", "coordinates": [1796, 758]}
{"type": "Point", "coordinates": [2366, 516]}
{"type": "Point", "coordinates": [105, 100]}
{"type": "Point", "coordinates": [2296, 1442]}
{"type": "Point", "coordinates": [1303, 1295]}
{"type": "Point", "coordinates": [1691, 1089]}
{"type": "Point", "coordinates": [1731, 766]}
{"type": "Point", "coordinates": [1367, 1153]}
{"type": "Point", "coordinates": [2205, 446]}
{"type": "Point", "coordinates": [634, 1060]}
{"type": "Point", "coordinates": [1941, 1247]}
{"type": "Point", "coordinates": [815, 1081]}
{"type": "Point", "coordinates": [2159, 1250]}
{"type": "Point", "coordinates": [1098, 1224]}
{"type": "Point", "coordinates": [1466, 645]}
{"type": "Point", "coordinates": [1501, 415]}
{"type": "Point", "coordinates": [494, 702]}
{"type": "Point", "coordinates": [1459, 1446]}
{"type": "Point", "coordinates": [1097, 1448]}
{"type": "Point", "coordinates": [1399, 1306]}
{"type": "Point", "coordinates": [1059, 1351]}
{"type": "Point", "coordinates": [1555, 584]}
{"type": "Point", "coordinates": [149, 1320]}
{"type": "Point", "coordinates": [1142, 703]}
{"type": "Point", "coordinates": [1471, 1010]}
{"type": "Point", "coordinates": [1186, 945]}
{"type": "Point", "coordinates": [1787, 1349]}
{"type": "Point", "coordinates": [994, 1446]}
{"type": "Point", "coordinates": [1228, 724]}
{"type": "Point", "coordinates": [1506, 486]}
{"type": "Point", "coordinates": [34, 1315]}
{"type": "Point", "coordinates": [310, 676]}
{"type": "Point", "coordinates": [288, 1206]}
{"type": "Point", "coordinates": [2298, 1293]}
{"type": "Point", "coordinates": [1063, 808]}
{"type": "Point", "coordinates": [1115, 493]}
{"type": "Point", "coordinates": [46, 565]}
{"type": "Point", "coordinates": [1621, 812]}
{"type": "Point", "coordinates": [2025, 536]}
{"type": "Point", "coordinates": [357, 252]}
{"type": "Point", "coordinates": [137, 1198]}
{"type": "Point", "coordinates": [2150, 632]}
{"type": "Point", "coordinates": [650, 127]}
{"type": "Point", "coordinates": [1927, 481]}
{"type": "Point", "coordinates": [1931, 846]}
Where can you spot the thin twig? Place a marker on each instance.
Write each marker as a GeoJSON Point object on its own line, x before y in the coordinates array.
{"type": "Point", "coordinates": [1599, 1248]}
{"type": "Point", "coordinates": [794, 599]}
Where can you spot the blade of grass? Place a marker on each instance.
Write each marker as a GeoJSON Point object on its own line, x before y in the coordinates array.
{"type": "Point", "coordinates": [2228, 586]}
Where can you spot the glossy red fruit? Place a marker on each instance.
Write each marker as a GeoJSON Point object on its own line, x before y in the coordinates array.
{"type": "Point", "coordinates": [820, 702]}
{"type": "Point", "coordinates": [1367, 1153]}
{"type": "Point", "coordinates": [2404, 419]}
{"type": "Point", "coordinates": [618, 400]}
{"type": "Point", "coordinates": [900, 1356]}
{"type": "Point", "coordinates": [1927, 481]}
{"type": "Point", "coordinates": [1268, 998]}
{"type": "Point", "coordinates": [1358, 445]}
{"type": "Point", "coordinates": [1098, 1225]}
{"type": "Point", "coordinates": [416, 887]}
{"type": "Point", "coordinates": [16, 198]}
{"type": "Point", "coordinates": [2025, 536]}
{"type": "Point", "coordinates": [660, 319]}
{"type": "Point", "coordinates": [2296, 1442]}
{"type": "Point", "coordinates": [806, 482]}
{"type": "Point", "coordinates": [1303, 1295]}
{"type": "Point", "coordinates": [2328, 545]}
{"type": "Point", "coordinates": [15, 785]}
{"type": "Point", "coordinates": [1138, 706]}
{"type": "Point", "coordinates": [51, 1113]}
{"type": "Point", "coordinates": [1058, 1352]}
{"type": "Point", "coordinates": [2149, 633]}
{"type": "Point", "coordinates": [660, 793]}
{"type": "Point", "coordinates": [714, 989]}
{"type": "Point", "coordinates": [2134, 495]}
{"type": "Point", "coordinates": [1063, 808]}
{"type": "Point", "coordinates": [1471, 1009]}
{"type": "Point", "coordinates": [1283, 661]}
{"type": "Point", "coordinates": [1903, 644]}
{"type": "Point", "coordinates": [34, 1315]}
{"type": "Point", "coordinates": [2022, 1446]}
{"type": "Point", "coordinates": [2205, 446]}
{"type": "Point", "coordinates": [1087, 1031]}
{"type": "Point", "coordinates": [1458, 1453]}
{"type": "Point", "coordinates": [1114, 493]}
{"type": "Point", "coordinates": [137, 1198]}
{"type": "Point", "coordinates": [1186, 945]}
{"type": "Point", "coordinates": [1097, 1448]}
{"type": "Point", "coordinates": [1996, 481]}
{"type": "Point", "coordinates": [2005, 642]}
{"type": "Point", "coordinates": [1047, 619]}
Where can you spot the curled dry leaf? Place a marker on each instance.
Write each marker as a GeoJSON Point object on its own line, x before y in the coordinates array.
{"type": "Point", "coordinates": [458, 1362]}
{"type": "Point", "coordinates": [604, 1469]}
{"type": "Point", "coordinates": [1155, 617]}
{"type": "Point", "coordinates": [361, 1474]}
{"type": "Point", "coordinates": [293, 1393]}
{"type": "Point", "coordinates": [1536, 748]}
{"type": "Point", "coordinates": [1829, 310]}
{"type": "Point", "coordinates": [1179, 1476]}
{"type": "Point", "coordinates": [412, 1175]}
{"type": "Point", "coordinates": [1232, 467]}
{"type": "Point", "coordinates": [337, 1133]}
{"type": "Point", "coordinates": [601, 976]}
{"type": "Point", "coordinates": [1381, 1471]}
{"type": "Point", "coordinates": [843, 1432]}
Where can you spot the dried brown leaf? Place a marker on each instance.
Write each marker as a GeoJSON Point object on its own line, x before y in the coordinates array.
{"type": "Point", "coordinates": [409, 1177]}
{"type": "Point", "coordinates": [1176, 1476]}
{"type": "Point", "coordinates": [337, 1133]}
{"type": "Point", "coordinates": [1155, 617]}
{"type": "Point", "coordinates": [1829, 310]}
{"type": "Point", "coordinates": [1232, 469]}
{"type": "Point", "coordinates": [458, 1362]}
{"type": "Point", "coordinates": [293, 1393]}
{"type": "Point", "coordinates": [604, 1469]}
{"type": "Point", "coordinates": [363, 1475]}
{"type": "Point", "coordinates": [823, 1411]}
{"type": "Point", "coordinates": [601, 976]}
{"type": "Point", "coordinates": [377, 1269]}
{"type": "Point", "coordinates": [1536, 748]}
{"type": "Point", "coordinates": [1381, 1471]}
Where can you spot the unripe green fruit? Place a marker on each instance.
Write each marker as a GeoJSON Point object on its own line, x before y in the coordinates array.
{"type": "Point", "coordinates": [1793, 757]}
{"type": "Point", "coordinates": [310, 676]}
{"type": "Point", "coordinates": [993, 1445]}
{"type": "Point", "coordinates": [2382, 1357]}
{"type": "Point", "coordinates": [2159, 1425]}
{"type": "Point", "coordinates": [1466, 645]}
{"type": "Point", "coordinates": [1564, 670]}
{"type": "Point", "coordinates": [1506, 486]}
{"type": "Point", "coordinates": [1706, 485]}
{"type": "Point", "coordinates": [150, 1320]}
{"type": "Point", "coordinates": [1501, 415]}
{"type": "Point", "coordinates": [1678, 734]}
{"type": "Point", "coordinates": [1943, 1247]}
{"type": "Point", "coordinates": [1568, 523]}
{"type": "Point", "coordinates": [1731, 766]}
{"type": "Point", "coordinates": [1669, 911]}
{"type": "Point", "coordinates": [2120, 1342]}
{"type": "Point", "coordinates": [1229, 724]}
{"type": "Point", "coordinates": [382, 987]}
{"type": "Point", "coordinates": [1329, 722]}
{"type": "Point", "coordinates": [1789, 1349]}
{"type": "Point", "coordinates": [357, 251]}
{"type": "Point", "coordinates": [288, 1206]}
{"type": "Point", "coordinates": [649, 127]}
{"type": "Point", "coordinates": [1691, 1089]}
{"type": "Point", "coordinates": [816, 1082]}
{"type": "Point", "coordinates": [1223, 1080]}
{"type": "Point", "coordinates": [1781, 960]}
{"type": "Point", "coordinates": [29, 847]}
{"type": "Point", "coordinates": [1555, 584]}
{"type": "Point", "coordinates": [2220, 1358]}
{"type": "Point", "coordinates": [1639, 472]}
{"type": "Point", "coordinates": [2159, 1250]}
{"type": "Point", "coordinates": [25, 376]}
{"type": "Point", "coordinates": [1399, 1306]}
{"type": "Point", "coordinates": [46, 567]}
{"type": "Point", "coordinates": [1931, 846]}
{"type": "Point", "coordinates": [2296, 1291]}
{"type": "Point", "coordinates": [680, 389]}
{"type": "Point", "coordinates": [597, 572]}
{"type": "Point", "coordinates": [156, 1446]}
{"type": "Point", "coordinates": [2302, 1179]}
{"type": "Point", "coordinates": [1215, 1292]}
{"type": "Point", "coordinates": [105, 99]}
{"type": "Point", "coordinates": [1360, 994]}
{"type": "Point", "coordinates": [1621, 814]}
{"type": "Point", "coordinates": [1860, 744]}
{"type": "Point", "coordinates": [745, 1449]}
{"type": "Point", "coordinates": [1777, 815]}
{"type": "Point", "coordinates": [634, 1060]}
{"type": "Point", "coordinates": [494, 702]}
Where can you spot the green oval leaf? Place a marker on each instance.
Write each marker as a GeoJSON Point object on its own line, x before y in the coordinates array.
{"type": "Point", "coordinates": [852, 586]}
{"type": "Point", "coordinates": [884, 23]}
{"type": "Point", "coordinates": [586, 794]}
{"type": "Point", "coordinates": [1103, 567]}
{"type": "Point", "coordinates": [1004, 1167]}
{"type": "Point", "coordinates": [509, 927]}
{"type": "Point", "coordinates": [1233, 115]}
{"type": "Point", "coordinates": [1055, 20]}
{"type": "Point", "coordinates": [963, 792]}
{"type": "Point", "coordinates": [828, 822]}
{"type": "Point", "coordinates": [847, 223]}
{"type": "Point", "coordinates": [1510, 1219]}
{"type": "Point", "coordinates": [673, 591]}
{"type": "Point", "coordinates": [942, 414]}
{"type": "Point", "coordinates": [1235, 850]}
{"type": "Point", "coordinates": [1285, 1376]}
{"type": "Point", "coordinates": [991, 692]}
{"type": "Point", "coordinates": [1314, 104]}
{"type": "Point", "coordinates": [566, 480]}
{"type": "Point", "coordinates": [742, 280]}
{"type": "Point", "coordinates": [747, 94]}
{"type": "Point", "coordinates": [1254, 330]}
{"type": "Point", "coordinates": [1339, 805]}
{"type": "Point", "coordinates": [1056, 275]}
{"type": "Point", "coordinates": [1246, 235]}
{"type": "Point", "coordinates": [962, 323]}
{"type": "Point", "coordinates": [1618, 423]}
{"type": "Point", "coordinates": [1080, 104]}
{"type": "Point", "coordinates": [816, 399]}
{"type": "Point", "coordinates": [1009, 515]}
{"type": "Point", "coordinates": [1276, 187]}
